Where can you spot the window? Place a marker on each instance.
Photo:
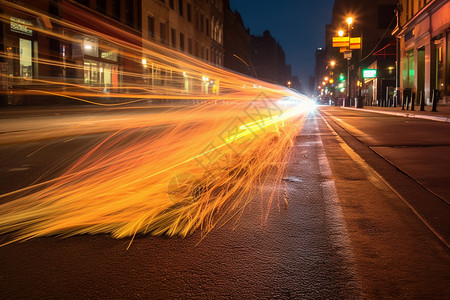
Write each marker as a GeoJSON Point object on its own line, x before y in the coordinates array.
{"type": "Point", "coordinates": [190, 45]}
{"type": "Point", "coordinates": [172, 4]}
{"type": "Point", "coordinates": [181, 41]}
{"type": "Point", "coordinates": [84, 2]}
{"type": "Point", "coordinates": [196, 19]}
{"type": "Point", "coordinates": [115, 5]}
{"type": "Point", "coordinates": [163, 32]}
{"type": "Point", "coordinates": [173, 37]}
{"type": "Point", "coordinates": [408, 69]}
{"type": "Point", "coordinates": [202, 23]}
{"type": "Point", "coordinates": [25, 58]}
{"type": "Point", "coordinates": [189, 12]}
{"type": "Point", "coordinates": [180, 7]}
{"type": "Point", "coordinates": [407, 10]}
{"type": "Point", "coordinates": [207, 27]}
{"type": "Point", "coordinates": [129, 12]}
{"type": "Point", "coordinates": [101, 6]}
{"type": "Point", "coordinates": [151, 27]}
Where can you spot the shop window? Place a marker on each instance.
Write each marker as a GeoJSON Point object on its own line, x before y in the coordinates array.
{"type": "Point", "coordinates": [90, 47]}
{"type": "Point", "coordinates": [26, 66]}
{"type": "Point", "coordinates": [439, 63]}
{"type": "Point", "coordinates": [100, 74]}
{"type": "Point", "coordinates": [108, 54]}
{"type": "Point", "coordinates": [408, 69]}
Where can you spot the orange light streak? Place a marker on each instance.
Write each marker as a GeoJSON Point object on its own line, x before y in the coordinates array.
{"type": "Point", "coordinates": [159, 173]}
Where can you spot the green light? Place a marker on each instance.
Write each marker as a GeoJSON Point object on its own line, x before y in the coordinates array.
{"type": "Point", "coordinates": [341, 77]}
{"type": "Point", "coordinates": [369, 73]}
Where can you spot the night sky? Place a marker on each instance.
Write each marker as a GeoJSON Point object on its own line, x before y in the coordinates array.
{"type": "Point", "coordinates": [298, 25]}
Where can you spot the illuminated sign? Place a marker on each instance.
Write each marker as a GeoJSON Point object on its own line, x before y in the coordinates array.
{"type": "Point", "coordinates": [355, 43]}
{"type": "Point", "coordinates": [340, 41]}
{"type": "Point", "coordinates": [369, 73]}
{"type": "Point", "coordinates": [20, 26]}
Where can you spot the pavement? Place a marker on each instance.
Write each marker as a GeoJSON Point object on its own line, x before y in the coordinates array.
{"type": "Point", "coordinates": [441, 115]}
{"type": "Point", "coordinates": [417, 148]}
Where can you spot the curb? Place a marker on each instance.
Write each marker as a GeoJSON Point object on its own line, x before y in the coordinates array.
{"type": "Point", "coordinates": [406, 115]}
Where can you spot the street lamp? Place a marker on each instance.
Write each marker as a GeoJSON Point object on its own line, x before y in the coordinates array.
{"type": "Point", "coordinates": [341, 32]}
{"type": "Point", "coordinates": [332, 63]}
{"type": "Point", "coordinates": [349, 22]}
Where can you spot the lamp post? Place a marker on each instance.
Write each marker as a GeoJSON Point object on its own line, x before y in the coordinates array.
{"type": "Point", "coordinates": [349, 22]}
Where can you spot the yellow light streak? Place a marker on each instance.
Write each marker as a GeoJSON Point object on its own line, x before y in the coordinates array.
{"type": "Point", "coordinates": [219, 135]}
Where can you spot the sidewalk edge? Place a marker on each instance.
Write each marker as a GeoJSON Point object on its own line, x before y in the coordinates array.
{"type": "Point", "coordinates": [401, 114]}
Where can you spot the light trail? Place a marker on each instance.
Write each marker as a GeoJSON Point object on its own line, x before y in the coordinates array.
{"type": "Point", "coordinates": [168, 173]}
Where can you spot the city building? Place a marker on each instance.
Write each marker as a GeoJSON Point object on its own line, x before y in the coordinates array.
{"type": "Point", "coordinates": [188, 26]}
{"type": "Point", "coordinates": [70, 43]}
{"type": "Point", "coordinates": [424, 47]}
{"type": "Point", "coordinates": [236, 43]}
{"type": "Point", "coordinates": [191, 27]}
{"type": "Point", "coordinates": [372, 21]}
{"type": "Point", "coordinates": [269, 59]}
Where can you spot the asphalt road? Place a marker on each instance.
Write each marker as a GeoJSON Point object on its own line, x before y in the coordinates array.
{"type": "Point", "coordinates": [346, 232]}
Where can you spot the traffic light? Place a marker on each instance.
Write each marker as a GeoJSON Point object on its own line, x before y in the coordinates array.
{"type": "Point", "coordinates": [341, 77]}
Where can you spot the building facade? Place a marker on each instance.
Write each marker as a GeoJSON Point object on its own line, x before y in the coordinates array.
{"type": "Point", "coordinates": [50, 44]}
{"type": "Point", "coordinates": [424, 47]}
{"type": "Point", "coordinates": [194, 27]}
{"type": "Point", "coordinates": [236, 43]}
{"type": "Point", "coordinates": [372, 22]}
{"type": "Point", "coordinates": [269, 59]}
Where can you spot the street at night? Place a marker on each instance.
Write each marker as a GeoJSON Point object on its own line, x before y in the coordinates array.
{"type": "Point", "coordinates": [224, 149]}
{"type": "Point", "coordinates": [347, 230]}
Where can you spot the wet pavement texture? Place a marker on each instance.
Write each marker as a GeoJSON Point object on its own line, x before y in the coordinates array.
{"type": "Point", "coordinates": [343, 234]}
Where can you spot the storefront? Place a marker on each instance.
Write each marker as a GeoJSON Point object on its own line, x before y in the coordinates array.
{"type": "Point", "coordinates": [424, 51]}
{"type": "Point", "coordinates": [20, 57]}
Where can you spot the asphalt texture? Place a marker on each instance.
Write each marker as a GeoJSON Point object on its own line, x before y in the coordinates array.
{"type": "Point", "coordinates": [345, 233]}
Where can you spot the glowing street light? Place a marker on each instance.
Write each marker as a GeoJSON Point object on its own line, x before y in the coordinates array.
{"type": "Point", "coordinates": [332, 63]}
{"type": "Point", "coordinates": [341, 32]}
{"type": "Point", "coordinates": [326, 78]}
{"type": "Point", "coordinates": [349, 20]}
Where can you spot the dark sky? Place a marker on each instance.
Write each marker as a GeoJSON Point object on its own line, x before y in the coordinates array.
{"type": "Point", "coordinates": [299, 26]}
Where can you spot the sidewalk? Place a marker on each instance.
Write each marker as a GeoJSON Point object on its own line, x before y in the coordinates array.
{"type": "Point", "coordinates": [442, 114]}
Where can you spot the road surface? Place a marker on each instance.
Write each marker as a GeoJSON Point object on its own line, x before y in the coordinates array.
{"type": "Point", "coordinates": [347, 230]}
